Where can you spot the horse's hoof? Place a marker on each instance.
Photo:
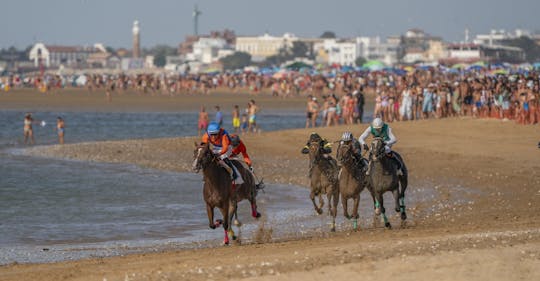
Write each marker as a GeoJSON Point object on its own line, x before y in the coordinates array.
{"type": "Point", "coordinates": [234, 237]}
{"type": "Point", "coordinates": [319, 212]}
{"type": "Point", "coordinates": [397, 210]}
{"type": "Point", "coordinates": [218, 223]}
{"type": "Point", "coordinates": [225, 243]}
{"type": "Point", "coordinates": [212, 226]}
{"type": "Point", "coordinates": [403, 216]}
{"type": "Point", "coordinates": [378, 211]}
{"type": "Point", "coordinates": [333, 229]}
{"type": "Point", "coordinates": [387, 225]}
{"type": "Point", "coordinates": [257, 215]}
{"type": "Point", "coordinates": [237, 223]}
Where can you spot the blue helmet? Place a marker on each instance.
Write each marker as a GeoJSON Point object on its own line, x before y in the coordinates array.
{"type": "Point", "coordinates": [213, 128]}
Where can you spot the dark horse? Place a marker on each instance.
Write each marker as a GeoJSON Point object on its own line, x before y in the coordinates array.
{"type": "Point", "coordinates": [218, 190]}
{"type": "Point", "coordinates": [323, 173]}
{"type": "Point", "coordinates": [352, 179]}
{"type": "Point", "coordinates": [383, 177]}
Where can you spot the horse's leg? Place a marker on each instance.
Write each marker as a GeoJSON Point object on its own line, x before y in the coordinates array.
{"type": "Point", "coordinates": [317, 209]}
{"type": "Point", "coordinates": [210, 213]}
{"type": "Point", "coordinates": [321, 202]}
{"type": "Point", "coordinates": [225, 212]}
{"type": "Point", "coordinates": [356, 202]}
{"type": "Point", "coordinates": [403, 182]}
{"type": "Point", "coordinates": [233, 207]}
{"type": "Point", "coordinates": [335, 202]}
{"type": "Point", "coordinates": [395, 193]}
{"type": "Point", "coordinates": [253, 202]}
{"type": "Point", "coordinates": [345, 206]}
{"type": "Point", "coordinates": [380, 203]}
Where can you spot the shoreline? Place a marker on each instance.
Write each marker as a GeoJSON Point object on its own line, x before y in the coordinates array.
{"type": "Point", "coordinates": [499, 217]}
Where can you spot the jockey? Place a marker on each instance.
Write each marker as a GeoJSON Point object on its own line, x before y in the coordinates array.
{"type": "Point", "coordinates": [347, 137]}
{"type": "Point", "coordinates": [240, 148]}
{"type": "Point", "coordinates": [327, 148]}
{"type": "Point", "coordinates": [379, 129]}
{"type": "Point", "coordinates": [220, 141]}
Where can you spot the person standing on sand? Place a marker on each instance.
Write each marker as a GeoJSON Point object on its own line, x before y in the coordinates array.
{"type": "Point", "coordinates": [60, 129]}
{"type": "Point", "coordinates": [236, 119]}
{"type": "Point", "coordinates": [219, 116]}
{"type": "Point", "coordinates": [203, 121]}
{"type": "Point", "coordinates": [253, 109]}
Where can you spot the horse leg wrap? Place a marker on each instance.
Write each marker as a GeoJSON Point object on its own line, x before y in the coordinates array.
{"type": "Point", "coordinates": [355, 224]}
{"type": "Point", "coordinates": [254, 212]}
{"type": "Point", "coordinates": [226, 239]}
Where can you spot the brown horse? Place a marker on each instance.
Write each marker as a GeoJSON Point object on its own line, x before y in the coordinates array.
{"type": "Point", "coordinates": [323, 174]}
{"type": "Point", "coordinates": [220, 192]}
{"type": "Point", "coordinates": [352, 179]}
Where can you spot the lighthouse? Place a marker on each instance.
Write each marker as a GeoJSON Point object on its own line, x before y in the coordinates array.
{"type": "Point", "coordinates": [136, 40]}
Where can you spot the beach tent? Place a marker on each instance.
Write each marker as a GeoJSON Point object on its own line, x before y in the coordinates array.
{"type": "Point", "coordinates": [536, 65]}
{"type": "Point", "coordinates": [459, 66]}
{"type": "Point", "coordinates": [499, 71]}
{"type": "Point", "coordinates": [373, 65]}
{"type": "Point", "coordinates": [81, 80]}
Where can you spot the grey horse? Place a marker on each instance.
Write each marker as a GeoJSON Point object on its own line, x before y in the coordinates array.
{"type": "Point", "coordinates": [323, 174]}
{"type": "Point", "coordinates": [352, 179]}
{"type": "Point", "coordinates": [383, 177]}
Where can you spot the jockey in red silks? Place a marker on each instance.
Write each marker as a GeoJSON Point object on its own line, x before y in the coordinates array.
{"type": "Point", "coordinates": [220, 141]}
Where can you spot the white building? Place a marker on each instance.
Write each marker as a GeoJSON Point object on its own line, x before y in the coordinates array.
{"type": "Point", "coordinates": [373, 48]}
{"type": "Point", "coordinates": [497, 37]}
{"type": "Point", "coordinates": [261, 47]}
{"type": "Point", "coordinates": [333, 51]}
{"type": "Point", "coordinates": [207, 50]}
{"type": "Point", "coordinates": [69, 56]}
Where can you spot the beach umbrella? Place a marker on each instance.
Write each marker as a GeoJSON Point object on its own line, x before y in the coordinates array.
{"type": "Point", "coordinates": [373, 65]}
{"type": "Point", "coordinates": [298, 65]}
{"type": "Point", "coordinates": [475, 67]}
{"type": "Point", "coordinates": [480, 63]}
{"type": "Point", "coordinates": [459, 66]}
{"type": "Point", "coordinates": [499, 71]}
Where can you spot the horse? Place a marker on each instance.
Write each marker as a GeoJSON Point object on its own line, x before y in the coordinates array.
{"type": "Point", "coordinates": [383, 177]}
{"type": "Point", "coordinates": [220, 192]}
{"type": "Point", "coordinates": [323, 174]}
{"type": "Point", "coordinates": [352, 179]}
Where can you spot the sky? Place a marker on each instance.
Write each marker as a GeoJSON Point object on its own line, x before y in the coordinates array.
{"type": "Point", "coordinates": [85, 22]}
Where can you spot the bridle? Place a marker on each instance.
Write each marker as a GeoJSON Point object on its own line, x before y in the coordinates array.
{"type": "Point", "coordinates": [377, 149]}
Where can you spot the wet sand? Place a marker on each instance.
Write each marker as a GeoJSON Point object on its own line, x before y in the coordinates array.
{"type": "Point", "coordinates": [484, 223]}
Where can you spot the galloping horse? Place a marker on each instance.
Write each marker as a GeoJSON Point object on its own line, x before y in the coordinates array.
{"type": "Point", "coordinates": [323, 174]}
{"type": "Point", "coordinates": [383, 177]}
{"type": "Point", "coordinates": [218, 190]}
{"type": "Point", "coordinates": [352, 179]}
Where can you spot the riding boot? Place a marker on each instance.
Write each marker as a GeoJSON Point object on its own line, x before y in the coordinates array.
{"type": "Point", "coordinates": [233, 170]}
{"type": "Point", "coordinates": [398, 162]}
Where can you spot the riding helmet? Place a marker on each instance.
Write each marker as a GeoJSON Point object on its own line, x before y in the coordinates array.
{"type": "Point", "coordinates": [377, 123]}
{"type": "Point", "coordinates": [347, 136]}
{"type": "Point", "coordinates": [235, 140]}
{"type": "Point", "coordinates": [213, 128]}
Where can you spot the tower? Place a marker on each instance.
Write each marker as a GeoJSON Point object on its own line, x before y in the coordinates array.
{"type": "Point", "coordinates": [466, 35]}
{"type": "Point", "coordinates": [196, 14]}
{"type": "Point", "coordinates": [136, 42]}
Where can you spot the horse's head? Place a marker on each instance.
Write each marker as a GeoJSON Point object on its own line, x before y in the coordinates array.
{"type": "Point", "coordinates": [315, 148]}
{"type": "Point", "coordinates": [344, 151]}
{"type": "Point", "coordinates": [202, 155]}
{"type": "Point", "coordinates": [377, 149]}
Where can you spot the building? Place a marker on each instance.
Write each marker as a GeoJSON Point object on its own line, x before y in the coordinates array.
{"type": "Point", "coordinates": [373, 48]}
{"type": "Point", "coordinates": [262, 47]}
{"type": "Point", "coordinates": [418, 46]}
{"type": "Point", "coordinates": [207, 50]}
{"type": "Point", "coordinates": [334, 51]}
{"type": "Point", "coordinates": [498, 37]}
{"type": "Point", "coordinates": [68, 56]}
{"type": "Point", "coordinates": [470, 53]}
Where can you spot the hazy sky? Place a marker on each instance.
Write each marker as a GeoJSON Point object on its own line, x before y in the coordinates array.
{"type": "Point", "coordinates": [84, 22]}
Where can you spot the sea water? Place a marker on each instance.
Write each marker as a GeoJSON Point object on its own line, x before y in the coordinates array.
{"type": "Point", "coordinates": [54, 210]}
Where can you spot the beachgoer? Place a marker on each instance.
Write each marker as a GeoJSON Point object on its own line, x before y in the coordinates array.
{"type": "Point", "coordinates": [60, 129]}
{"type": "Point", "coordinates": [253, 109]}
{"type": "Point", "coordinates": [203, 121]}
{"type": "Point", "coordinates": [236, 119]}
{"type": "Point", "coordinates": [28, 130]}
{"type": "Point", "coordinates": [379, 129]}
{"type": "Point", "coordinates": [244, 123]}
{"type": "Point", "coordinates": [219, 116]}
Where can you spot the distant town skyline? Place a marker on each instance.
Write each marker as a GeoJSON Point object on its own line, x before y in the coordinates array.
{"type": "Point", "coordinates": [85, 22]}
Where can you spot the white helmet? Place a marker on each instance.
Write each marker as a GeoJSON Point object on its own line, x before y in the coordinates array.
{"type": "Point", "coordinates": [377, 123]}
{"type": "Point", "coordinates": [347, 136]}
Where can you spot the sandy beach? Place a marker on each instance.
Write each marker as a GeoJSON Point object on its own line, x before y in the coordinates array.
{"type": "Point", "coordinates": [483, 224]}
